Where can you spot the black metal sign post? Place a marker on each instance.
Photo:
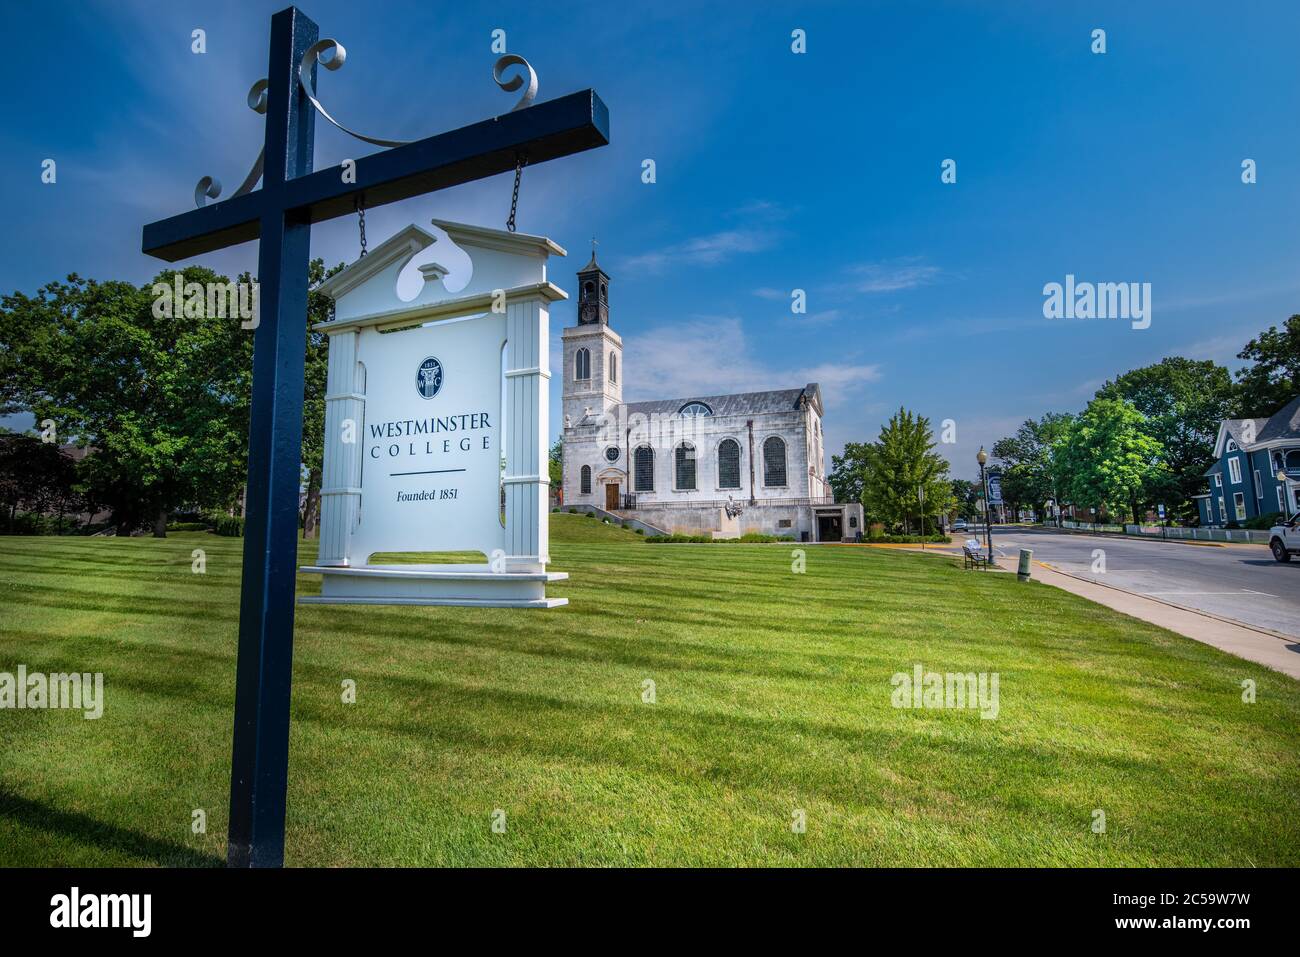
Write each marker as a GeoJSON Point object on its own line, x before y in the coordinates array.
{"type": "Point", "coordinates": [293, 197]}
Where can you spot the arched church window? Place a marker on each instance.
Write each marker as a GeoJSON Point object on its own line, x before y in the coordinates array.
{"type": "Point", "coordinates": [684, 464]}
{"type": "Point", "coordinates": [774, 461]}
{"type": "Point", "coordinates": [613, 367]}
{"type": "Point", "coordinates": [582, 364]}
{"type": "Point", "coordinates": [729, 464]}
{"type": "Point", "coordinates": [695, 408]}
{"type": "Point", "coordinates": [604, 291]}
{"type": "Point", "coordinates": [643, 469]}
{"type": "Point", "coordinates": [587, 289]}
{"type": "Point", "coordinates": [586, 480]}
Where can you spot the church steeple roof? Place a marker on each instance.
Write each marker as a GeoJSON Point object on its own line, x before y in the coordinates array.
{"type": "Point", "coordinates": [592, 266]}
{"type": "Point", "coordinates": [593, 292]}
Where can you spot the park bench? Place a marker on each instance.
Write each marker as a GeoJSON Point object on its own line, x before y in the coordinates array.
{"type": "Point", "coordinates": [972, 556]}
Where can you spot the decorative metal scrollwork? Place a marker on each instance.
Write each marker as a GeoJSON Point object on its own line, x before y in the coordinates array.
{"type": "Point", "coordinates": [209, 187]}
{"type": "Point", "coordinates": [337, 56]}
{"type": "Point", "coordinates": [331, 54]}
{"type": "Point", "coordinates": [515, 82]}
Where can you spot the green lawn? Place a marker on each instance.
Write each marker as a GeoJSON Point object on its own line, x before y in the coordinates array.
{"type": "Point", "coordinates": [773, 694]}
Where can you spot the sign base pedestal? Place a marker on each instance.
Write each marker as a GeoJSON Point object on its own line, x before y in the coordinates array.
{"type": "Point", "coordinates": [471, 585]}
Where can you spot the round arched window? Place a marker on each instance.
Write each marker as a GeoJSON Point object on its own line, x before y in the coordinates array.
{"type": "Point", "coordinates": [695, 408]}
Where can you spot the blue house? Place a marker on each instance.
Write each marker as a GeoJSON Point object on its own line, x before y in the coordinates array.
{"type": "Point", "coordinates": [1248, 454]}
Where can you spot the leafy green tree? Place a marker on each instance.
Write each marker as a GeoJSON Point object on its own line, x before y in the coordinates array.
{"type": "Point", "coordinates": [1030, 474]}
{"type": "Point", "coordinates": [1108, 458]}
{"type": "Point", "coordinates": [1274, 379]}
{"type": "Point", "coordinates": [901, 465]}
{"type": "Point", "coordinates": [1183, 402]}
{"type": "Point", "coordinates": [965, 496]}
{"type": "Point", "coordinates": [151, 393]}
{"type": "Point", "coordinates": [848, 471]}
{"type": "Point", "coordinates": [555, 463]}
{"type": "Point", "coordinates": [36, 477]}
{"type": "Point", "coordinates": [163, 400]}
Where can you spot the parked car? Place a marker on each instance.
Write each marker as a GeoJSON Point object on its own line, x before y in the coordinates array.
{"type": "Point", "coordinates": [1284, 539]}
{"type": "Point", "coordinates": [959, 525]}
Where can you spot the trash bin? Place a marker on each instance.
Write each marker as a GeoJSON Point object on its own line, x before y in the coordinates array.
{"type": "Point", "coordinates": [1026, 555]}
{"type": "Point", "coordinates": [803, 536]}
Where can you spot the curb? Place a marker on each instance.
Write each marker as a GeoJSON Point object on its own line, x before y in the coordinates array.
{"type": "Point", "coordinates": [1142, 538]}
{"type": "Point", "coordinates": [1160, 601]}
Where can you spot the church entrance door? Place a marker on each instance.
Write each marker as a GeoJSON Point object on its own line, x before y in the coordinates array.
{"type": "Point", "coordinates": [829, 529]}
{"type": "Point", "coordinates": [611, 496]}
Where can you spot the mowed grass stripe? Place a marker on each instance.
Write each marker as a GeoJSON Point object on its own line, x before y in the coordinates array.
{"type": "Point", "coordinates": [772, 694]}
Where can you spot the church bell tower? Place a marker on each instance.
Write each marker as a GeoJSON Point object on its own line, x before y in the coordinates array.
{"type": "Point", "coordinates": [593, 353]}
{"type": "Point", "coordinates": [593, 294]}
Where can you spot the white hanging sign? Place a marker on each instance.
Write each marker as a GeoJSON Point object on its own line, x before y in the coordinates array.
{"type": "Point", "coordinates": [436, 417]}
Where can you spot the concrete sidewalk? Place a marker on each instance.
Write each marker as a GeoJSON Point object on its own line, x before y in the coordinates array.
{"type": "Point", "coordinates": [1280, 654]}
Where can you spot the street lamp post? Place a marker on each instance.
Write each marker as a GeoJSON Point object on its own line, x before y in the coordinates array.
{"type": "Point", "coordinates": [920, 494]}
{"type": "Point", "coordinates": [983, 457]}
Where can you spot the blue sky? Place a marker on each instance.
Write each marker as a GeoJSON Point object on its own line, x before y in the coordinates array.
{"type": "Point", "coordinates": [775, 171]}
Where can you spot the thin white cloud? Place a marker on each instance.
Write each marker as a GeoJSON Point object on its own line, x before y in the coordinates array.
{"type": "Point", "coordinates": [1222, 349]}
{"type": "Point", "coordinates": [701, 251]}
{"type": "Point", "coordinates": [711, 356]}
{"type": "Point", "coordinates": [892, 275]}
{"type": "Point", "coordinates": [818, 318]}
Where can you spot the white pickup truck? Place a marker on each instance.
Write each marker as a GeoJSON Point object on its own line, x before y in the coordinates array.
{"type": "Point", "coordinates": [1284, 539]}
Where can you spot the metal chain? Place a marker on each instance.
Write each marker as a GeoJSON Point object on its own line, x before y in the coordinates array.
{"type": "Point", "coordinates": [521, 160]}
{"type": "Point", "coordinates": [361, 223]}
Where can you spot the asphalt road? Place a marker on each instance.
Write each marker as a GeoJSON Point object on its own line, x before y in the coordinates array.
{"type": "Point", "coordinates": [1239, 582]}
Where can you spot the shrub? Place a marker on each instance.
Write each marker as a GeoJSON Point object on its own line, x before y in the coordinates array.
{"type": "Point", "coordinates": [188, 526]}
{"type": "Point", "coordinates": [1265, 522]}
{"type": "Point", "coordinates": [229, 526]}
{"type": "Point", "coordinates": [30, 523]}
{"type": "Point", "coordinates": [908, 539]}
{"type": "Point", "coordinates": [640, 531]}
{"type": "Point", "coordinates": [747, 539]}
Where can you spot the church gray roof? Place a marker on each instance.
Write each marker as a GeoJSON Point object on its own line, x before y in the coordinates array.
{"type": "Point", "coordinates": [740, 403]}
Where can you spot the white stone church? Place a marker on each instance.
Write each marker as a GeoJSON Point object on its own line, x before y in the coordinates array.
{"type": "Point", "coordinates": [724, 465]}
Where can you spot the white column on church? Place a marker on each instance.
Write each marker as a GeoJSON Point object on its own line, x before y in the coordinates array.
{"type": "Point", "coordinates": [527, 479]}
{"type": "Point", "coordinates": [341, 473]}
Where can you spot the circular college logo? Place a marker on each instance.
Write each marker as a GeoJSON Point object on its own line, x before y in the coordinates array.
{"type": "Point", "coordinates": [428, 378]}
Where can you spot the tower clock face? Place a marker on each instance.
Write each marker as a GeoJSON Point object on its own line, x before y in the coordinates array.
{"type": "Point", "coordinates": [588, 313]}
